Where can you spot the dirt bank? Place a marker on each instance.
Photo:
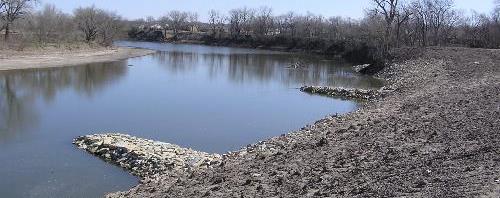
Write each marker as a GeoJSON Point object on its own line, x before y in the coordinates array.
{"type": "Point", "coordinates": [435, 134]}
{"type": "Point", "coordinates": [11, 59]}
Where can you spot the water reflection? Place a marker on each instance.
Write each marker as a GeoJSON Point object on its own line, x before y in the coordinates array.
{"type": "Point", "coordinates": [211, 99]}
{"type": "Point", "coordinates": [20, 88]}
{"type": "Point", "coordinates": [262, 68]}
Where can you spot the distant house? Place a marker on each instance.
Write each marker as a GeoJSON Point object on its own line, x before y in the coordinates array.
{"type": "Point", "coordinates": [156, 27]}
{"type": "Point", "coordinates": [274, 32]}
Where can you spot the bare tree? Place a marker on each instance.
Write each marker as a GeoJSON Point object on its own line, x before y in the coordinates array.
{"type": "Point", "coordinates": [213, 16]}
{"type": "Point", "coordinates": [263, 21]}
{"type": "Point", "coordinates": [403, 15]}
{"type": "Point", "coordinates": [496, 11]}
{"type": "Point", "coordinates": [150, 20]}
{"type": "Point", "coordinates": [2, 12]}
{"type": "Point", "coordinates": [216, 22]}
{"type": "Point", "coordinates": [96, 23]}
{"type": "Point", "coordinates": [177, 20]}
{"type": "Point", "coordinates": [421, 18]}
{"type": "Point", "coordinates": [50, 25]}
{"type": "Point", "coordinates": [193, 21]}
{"type": "Point", "coordinates": [441, 15]}
{"type": "Point", "coordinates": [240, 21]}
{"type": "Point", "coordinates": [108, 27]}
{"type": "Point", "coordinates": [290, 23]}
{"type": "Point", "coordinates": [11, 10]}
{"type": "Point", "coordinates": [388, 8]}
{"type": "Point", "coordinates": [87, 22]}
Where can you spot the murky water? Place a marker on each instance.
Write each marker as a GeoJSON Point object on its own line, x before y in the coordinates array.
{"type": "Point", "coordinates": [211, 99]}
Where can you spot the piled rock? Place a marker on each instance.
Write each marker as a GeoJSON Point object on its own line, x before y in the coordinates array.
{"type": "Point", "coordinates": [359, 68]}
{"type": "Point", "coordinates": [145, 158]}
{"type": "Point", "coordinates": [342, 92]}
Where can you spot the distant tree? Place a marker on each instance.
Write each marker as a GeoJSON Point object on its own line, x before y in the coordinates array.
{"type": "Point", "coordinates": [50, 24]}
{"type": "Point", "coordinates": [150, 20]}
{"type": "Point", "coordinates": [177, 20]}
{"type": "Point", "coordinates": [289, 24]}
{"type": "Point", "coordinates": [421, 19]}
{"type": "Point", "coordinates": [213, 15]}
{"type": "Point", "coordinates": [11, 10]}
{"type": "Point", "coordinates": [441, 16]}
{"type": "Point", "coordinates": [263, 21]}
{"type": "Point", "coordinates": [216, 22]}
{"type": "Point", "coordinates": [496, 11]}
{"type": "Point", "coordinates": [109, 26]}
{"type": "Point", "coordinates": [86, 20]}
{"type": "Point", "coordinates": [2, 12]}
{"type": "Point", "coordinates": [192, 21]}
{"type": "Point", "coordinates": [389, 9]}
{"type": "Point", "coordinates": [97, 23]}
{"type": "Point", "coordinates": [240, 21]}
{"type": "Point", "coordinates": [403, 15]}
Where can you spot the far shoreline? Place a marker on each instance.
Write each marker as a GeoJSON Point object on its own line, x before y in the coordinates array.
{"type": "Point", "coordinates": [30, 59]}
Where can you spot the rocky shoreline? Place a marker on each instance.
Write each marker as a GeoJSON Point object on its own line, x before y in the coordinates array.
{"type": "Point", "coordinates": [434, 133]}
{"type": "Point", "coordinates": [145, 158]}
{"type": "Point", "coordinates": [340, 92]}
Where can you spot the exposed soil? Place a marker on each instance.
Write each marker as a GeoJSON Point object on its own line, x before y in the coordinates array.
{"type": "Point", "coordinates": [436, 134]}
{"type": "Point", "coordinates": [55, 57]}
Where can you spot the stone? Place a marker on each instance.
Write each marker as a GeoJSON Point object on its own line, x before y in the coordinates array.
{"type": "Point", "coordinates": [342, 92]}
{"type": "Point", "coordinates": [358, 68]}
{"type": "Point", "coordinates": [143, 157]}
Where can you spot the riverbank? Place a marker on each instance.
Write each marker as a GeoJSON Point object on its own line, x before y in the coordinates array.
{"type": "Point", "coordinates": [354, 52]}
{"type": "Point", "coordinates": [433, 133]}
{"type": "Point", "coordinates": [57, 57]}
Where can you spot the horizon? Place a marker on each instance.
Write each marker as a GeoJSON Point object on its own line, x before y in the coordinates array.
{"type": "Point", "coordinates": [156, 8]}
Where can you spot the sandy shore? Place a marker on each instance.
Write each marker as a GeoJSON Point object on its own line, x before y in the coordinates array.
{"type": "Point", "coordinates": [434, 133]}
{"type": "Point", "coordinates": [10, 59]}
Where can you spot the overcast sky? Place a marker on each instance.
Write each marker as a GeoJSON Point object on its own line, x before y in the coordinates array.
{"type": "Point", "coordinates": [134, 9]}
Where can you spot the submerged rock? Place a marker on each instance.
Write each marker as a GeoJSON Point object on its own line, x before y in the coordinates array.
{"type": "Point", "coordinates": [342, 92]}
{"type": "Point", "coordinates": [144, 157]}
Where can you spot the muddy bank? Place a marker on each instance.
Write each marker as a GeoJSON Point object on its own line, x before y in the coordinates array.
{"type": "Point", "coordinates": [10, 59]}
{"type": "Point", "coordinates": [145, 158]}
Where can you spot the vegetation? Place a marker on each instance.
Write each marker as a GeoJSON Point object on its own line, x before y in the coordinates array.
{"type": "Point", "coordinates": [23, 26]}
{"type": "Point", "coordinates": [389, 24]}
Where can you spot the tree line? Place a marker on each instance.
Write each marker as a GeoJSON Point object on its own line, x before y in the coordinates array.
{"type": "Point", "coordinates": [18, 19]}
{"type": "Point", "coordinates": [386, 25]}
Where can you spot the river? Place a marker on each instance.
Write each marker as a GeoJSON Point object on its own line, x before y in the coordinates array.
{"type": "Point", "coordinates": [212, 99]}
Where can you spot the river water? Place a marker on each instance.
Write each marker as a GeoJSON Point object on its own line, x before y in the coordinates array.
{"type": "Point", "coordinates": [213, 99]}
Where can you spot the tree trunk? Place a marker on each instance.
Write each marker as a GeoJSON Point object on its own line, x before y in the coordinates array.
{"type": "Point", "coordinates": [398, 35]}
{"type": "Point", "coordinates": [424, 40]}
{"type": "Point", "coordinates": [387, 38]}
{"type": "Point", "coordinates": [7, 29]}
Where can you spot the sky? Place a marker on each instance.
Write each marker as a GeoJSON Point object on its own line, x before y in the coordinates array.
{"type": "Point", "coordinates": [134, 9]}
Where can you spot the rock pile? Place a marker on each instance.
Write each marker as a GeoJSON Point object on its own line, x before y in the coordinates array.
{"type": "Point", "coordinates": [342, 92]}
{"type": "Point", "coordinates": [143, 157]}
{"type": "Point", "coordinates": [359, 68]}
